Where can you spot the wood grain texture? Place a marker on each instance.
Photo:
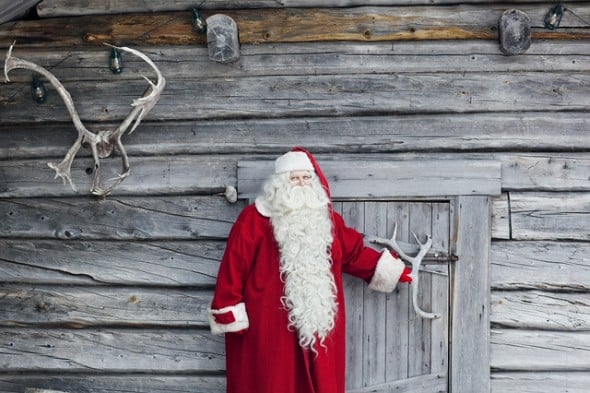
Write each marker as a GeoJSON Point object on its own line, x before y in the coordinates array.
{"type": "Point", "coordinates": [550, 215]}
{"type": "Point", "coordinates": [546, 381]}
{"type": "Point", "coordinates": [89, 382]}
{"type": "Point", "coordinates": [110, 350]}
{"type": "Point", "coordinates": [537, 310]}
{"type": "Point", "coordinates": [533, 350]}
{"type": "Point", "coordinates": [314, 95]}
{"type": "Point", "coordinates": [130, 263]}
{"type": "Point", "coordinates": [292, 25]}
{"type": "Point", "coordinates": [171, 218]}
{"type": "Point", "coordinates": [542, 265]}
{"type": "Point", "coordinates": [84, 306]}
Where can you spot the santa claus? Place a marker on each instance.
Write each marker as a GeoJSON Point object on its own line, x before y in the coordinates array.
{"type": "Point", "coordinates": [279, 297]}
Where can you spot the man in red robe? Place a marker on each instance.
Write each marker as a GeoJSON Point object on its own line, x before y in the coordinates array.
{"type": "Point", "coordinates": [279, 297]}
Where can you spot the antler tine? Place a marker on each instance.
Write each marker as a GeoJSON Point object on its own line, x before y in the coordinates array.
{"type": "Point", "coordinates": [63, 169]}
{"type": "Point", "coordinates": [416, 261]}
{"type": "Point", "coordinates": [143, 104]}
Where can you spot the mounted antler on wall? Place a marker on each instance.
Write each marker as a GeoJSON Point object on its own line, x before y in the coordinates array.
{"type": "Point", "coordinates": [102, 142]}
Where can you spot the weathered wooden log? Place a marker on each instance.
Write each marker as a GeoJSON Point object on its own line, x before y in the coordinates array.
{"type": "Point", "coordinates": [313, 95]}
{"type": "Point", "coordinates": [110, 350]}
{"type": "Point", "coordinates": [337, 58]}
{"type": "Point", "coordinates": [537, 310]}
{"type": "Point", "coordinates": [35, 390]}
{"type": "Point", "coordinates": [534, 350]}
{"type": "Point", "coordinates": [92, 382]}
{"type": "Point", "coordinates": [514, 32]}
{"type": "Point", "coordinates": [52, 8]}
{"type": "Point", "coordinates": [362, 24]}
{"type": "Point", "coordinates": [541, 265]}
{"type": "Point", "coordinates": [84, 306]}
{"type": "Point", "coordinates": [119, 218]}
{"type": "Point", "coordinates": [550, 216]}
{"type": "Point", "coordinates": [546, 381]}
{"type": "Point", "coordinates": [150, 263]}
{"type": "Point", "coordinates": [222, 39]}
{"type": "Point", "coordinates": [339, 135]}
{"type": "Point", "coordinates": [179, 175]}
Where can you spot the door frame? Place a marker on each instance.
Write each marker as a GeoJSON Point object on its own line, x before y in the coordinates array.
{"type": "Point", "coordinates": [468, 185]}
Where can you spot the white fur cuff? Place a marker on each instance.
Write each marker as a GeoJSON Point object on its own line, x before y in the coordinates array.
{"type": "Point", "coordinates": [241, 319]}
{"type": "Point", "coordinates": [387, 273]}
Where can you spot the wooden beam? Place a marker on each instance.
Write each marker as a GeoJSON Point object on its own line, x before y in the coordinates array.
{"type": "Point", "coordinates": [110, 350]}
{"type": "Point", "coordinates": [180, 218]}
{"type": "Point", "coordinates": [147, 263]}
{"type": "Point", "coordinates": [363, 24]}
{"type": "Point", "coordinates": [89, 381]}
{"type": "Point", "coordinates": [533, 265]}
{"type": "Point", "coordinates": [535, 350]}
{"type": "Point", "coordinates": [389, 179]}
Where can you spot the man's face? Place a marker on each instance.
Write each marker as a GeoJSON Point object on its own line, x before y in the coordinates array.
{"type": "Point", "coordinates": [300, 178]}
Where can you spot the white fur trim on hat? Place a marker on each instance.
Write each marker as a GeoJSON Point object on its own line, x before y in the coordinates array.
{"type": "Point", "coordinates": [293, 161]}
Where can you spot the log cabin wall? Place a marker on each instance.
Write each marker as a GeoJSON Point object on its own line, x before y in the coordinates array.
{"type": "Point", "coordinates": [111, 295]}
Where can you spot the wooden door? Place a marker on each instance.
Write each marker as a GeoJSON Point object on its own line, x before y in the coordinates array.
{"type": "Point", "coordinates": [390, 348]}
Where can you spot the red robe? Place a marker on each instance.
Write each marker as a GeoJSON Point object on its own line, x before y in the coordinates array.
{"type": "Point", "coordinates": [262, 354]}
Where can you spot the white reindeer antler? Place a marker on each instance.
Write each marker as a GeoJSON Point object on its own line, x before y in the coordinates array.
{"type": "Point", "coordinates": [102, 142]}
{"type": "Point", "coordinates": [416, 261]}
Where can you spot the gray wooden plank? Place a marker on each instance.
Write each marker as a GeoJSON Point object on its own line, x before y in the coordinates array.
{"type": "Point", "coordinates": [537, 310]}
{"type": "Point", "coordinates": [501, 217]}
{"type": "Point", "coordinates": [543, 215]}
{"type": "Point", "coordinates": [390, 178]}
{"type": "Point", "coordinates": [481, 132]}
{"type": "Point", "coordinates": [192, 62]}
{"type": "Point", "coordinates": [420, 329]}
{"type": "Point", "coordinates": [150, 263]}
{"type": "Point", "coordinates": [109, 350]}
{"type": "Point", "coordinates": [149, 175]}
{"type": "Point", "coordinates": [354, 216]}
{"type": "Point", "coordinates": [374, 306]}
{"type": "Point", "coordinates": [399, 175]}
{"type": "Point", "coordinates": [84, 306]}
{"type": "Point", "coordinates": [544, 265]}
{"type": "Point", "coordinates": [398, 303]}
{"type": "Point", "coordinates": [421, 384]}
{"type": "Point", "coordinates": [149, 218]}
{"type": "Point", "coordinates": [440, 302]}
{"type": "Point", "coordinates": [546, 381]}
{"type": "Point", "coordinates": [311, 95]}
{"type": "Point", "coordinates": [470, 364]}
{"type": "Point", "coordinates": [534, 350]}
{"type": "Point", "coordinates": [52, 8]}
{"type": "Point", "coordinates": [89, 382]}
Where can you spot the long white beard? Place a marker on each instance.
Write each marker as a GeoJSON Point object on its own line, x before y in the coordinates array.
{"type": "Point", "coordinates": [303, 229]}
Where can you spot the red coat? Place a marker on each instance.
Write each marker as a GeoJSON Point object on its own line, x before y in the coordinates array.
{"type": "Point", "coordinates": [262, 354]}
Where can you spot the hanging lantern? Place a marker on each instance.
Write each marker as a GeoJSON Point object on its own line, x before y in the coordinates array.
{"type": "Point", "coordinates": [38, 91]}
{"type": "Point", "coordinates": [199, 23]}
{"type": "Point", "coordinates": [115, 61]}
{"type": "Point", "coordinates": [553, 17]}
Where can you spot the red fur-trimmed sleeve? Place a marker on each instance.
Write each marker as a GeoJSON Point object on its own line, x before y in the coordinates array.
{"type": "Point", "coordinates": [228, 311]}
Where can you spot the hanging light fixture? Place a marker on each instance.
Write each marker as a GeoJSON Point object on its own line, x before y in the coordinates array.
{"type": "Point", "coordinates": [115, 61]}
{"type": "Point", "coordinates": [553, 17]}
{"type": "Point", "coordinates": [199, 23]}
{"type": "Point", "coordinates": [38, 91]}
